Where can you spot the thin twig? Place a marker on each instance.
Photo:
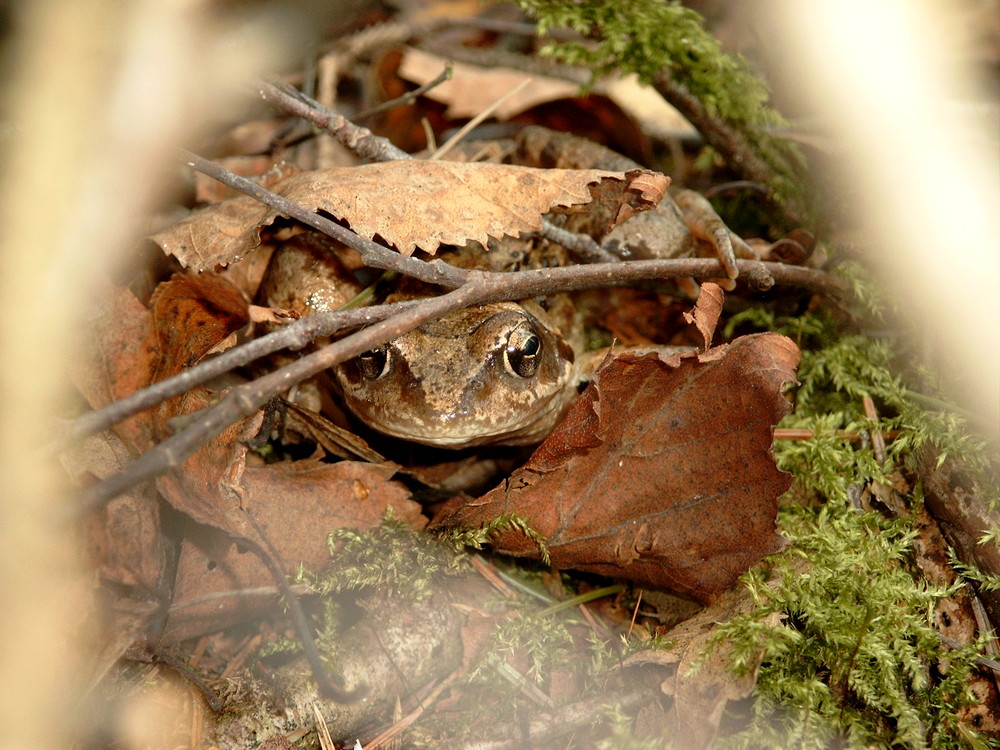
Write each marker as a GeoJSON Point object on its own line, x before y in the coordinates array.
{"type": "Point", "coordinates": [733, 145]}
{"type": "Point", "coordinates": [410, 96]}
{"type": "Point", "coordinates": [583, 246]}
{"type": "Point", "coordinates": [399, 726]}
{"type": "Point", "coordinates": [360, 140]}
{"type": "Point", "coordinates": [268, 555]}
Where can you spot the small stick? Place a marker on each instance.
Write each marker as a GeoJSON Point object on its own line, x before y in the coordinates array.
{"type": "Point", "coordinates": [878, 442]}
{"type": "Point", "coordinates": [360, 140]}
{"type": "Point", "coordinates": [410, 96]}
{"type": "Point", "coordinates": [635, 614]}
{"type": "Point", "coordinates": [397, 728]}
{"type": "Point", "coordinates": [784, 433]}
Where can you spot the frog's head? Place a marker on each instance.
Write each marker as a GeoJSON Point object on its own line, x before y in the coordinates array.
{"type": "Point", "coordinates": [490, 374]}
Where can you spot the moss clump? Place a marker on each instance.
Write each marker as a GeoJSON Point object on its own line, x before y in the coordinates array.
{"type": "Point", "coordinates": [852, 663]}
{"type": "Point", "coordinates": [480, 536]}
{"type": "Point", "coordinates": [857, 662]}
{"type": "Point", "coordinates": [652, 39]}
{"type": "Point", "coordinates": [391, 557]}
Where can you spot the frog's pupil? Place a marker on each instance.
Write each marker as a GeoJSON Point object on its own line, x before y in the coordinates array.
{"type": "Point", "coordinates": [372, 363]}
{"type": "Point", "coordinates": [530, 346]}
{"type": "Point", "coordinates": [522, 357]}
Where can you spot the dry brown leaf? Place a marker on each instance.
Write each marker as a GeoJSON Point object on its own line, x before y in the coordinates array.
{"type": "Point", "coordinates": [408, 204]}
{"type": "Point", "coordinates": [473, 88]}
{"type": "Point", "coordinates": [661, 473]}
{"type": "Point", "coordinates": [702, 685]}
{"type": "Point", "coordinates": [122, 538]}
{"type": "Point", "coordinates": [192, 315]}
{"type": "Point", "coordinates": [706, 311]}
{"type": "Point", "coordinates": [120, 360]}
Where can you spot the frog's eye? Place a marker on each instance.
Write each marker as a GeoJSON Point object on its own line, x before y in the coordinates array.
{"type": "Point", "coordinates": [522, 353]}
{"type": "Point", "coordinates": [374, 364]}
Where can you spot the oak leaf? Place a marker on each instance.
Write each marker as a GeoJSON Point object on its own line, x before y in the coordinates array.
{"type": "Point", "coordinates": [661, 473]}
{"type": "Point", "coordinates": [408, 204]}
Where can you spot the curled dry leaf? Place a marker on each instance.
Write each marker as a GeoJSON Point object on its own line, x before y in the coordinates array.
{"type": "Point", "coordinates": [706, 312]}
{"type": "Point", "coordinates": [408, 204]}
{"type": "Point", "coordinates": [661, 473]}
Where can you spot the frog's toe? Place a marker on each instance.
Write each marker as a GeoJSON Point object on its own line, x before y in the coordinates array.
{"type": "Point", "coordinates": [707, 225]}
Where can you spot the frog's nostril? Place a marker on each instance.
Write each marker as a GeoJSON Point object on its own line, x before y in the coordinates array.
{"type": "Point", "coordinates": [476, 384]}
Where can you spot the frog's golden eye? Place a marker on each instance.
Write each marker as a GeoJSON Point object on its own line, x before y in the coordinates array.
{"type": "Point", "coordinates": [523, 352]}
{"type": "Point", "coordinates": [374, 364]}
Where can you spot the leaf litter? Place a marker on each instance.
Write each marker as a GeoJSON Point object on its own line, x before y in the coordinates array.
{"type": "Point", "coordinates": [661, 474]}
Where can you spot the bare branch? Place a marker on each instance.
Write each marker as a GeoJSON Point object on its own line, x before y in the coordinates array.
{"type": "Point", "coordinates": [410, 96]}
{"type": "Point", "coordinates": [360, 140]}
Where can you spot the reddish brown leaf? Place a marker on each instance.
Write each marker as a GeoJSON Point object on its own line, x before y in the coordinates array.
{"type": "Point", "coordinates": [706, 311]}
{"type": "Point", "coordinates": [121, 538]}
{"type": "Point", "coordinates": [192, 315]}
{"type": "Point", "coordinates": [409, 204]}
{"type": "Point", "coordinates": [120, 361]}
{"type": "Point", "coordinates": [661, 473]}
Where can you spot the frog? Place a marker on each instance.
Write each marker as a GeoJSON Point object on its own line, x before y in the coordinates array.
{"type": "Point", "coordinates": [500, 374]}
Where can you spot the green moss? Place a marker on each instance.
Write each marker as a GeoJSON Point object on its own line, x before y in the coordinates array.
{"type": "Point", "coordinates": [391, 557]}
{"type": "Point", "coordinates": [480, 536]}
{"type": "Point", "coordinates": [852, 660]}
{"type": "Point", "coordinates": [651, 38]}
